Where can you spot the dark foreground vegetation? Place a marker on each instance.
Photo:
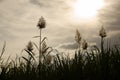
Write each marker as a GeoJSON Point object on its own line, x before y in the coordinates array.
{"type": "Point", "coordinates": [95, 64]}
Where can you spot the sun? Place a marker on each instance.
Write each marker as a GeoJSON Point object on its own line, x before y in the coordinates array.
{"type": "Point", "coordinates": [87, 8]}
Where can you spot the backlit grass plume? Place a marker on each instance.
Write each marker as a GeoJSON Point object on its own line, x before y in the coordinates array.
{"type": "Point", "coordinates": [84, 45]}
{"type": "Point", "coordinates": [41, 23]}
{"type": "Point", "coordinates": [102, 32]}
{"type": "Point", "coordinates": [29, 49]}
{"type": "Point", "coordinates": [30, 46]}
{"type": "Point", "coordinates": [78, 38]}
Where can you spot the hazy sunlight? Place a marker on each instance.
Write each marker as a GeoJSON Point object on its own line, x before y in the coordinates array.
{"type": "Point", "coordinates": [87, 8]}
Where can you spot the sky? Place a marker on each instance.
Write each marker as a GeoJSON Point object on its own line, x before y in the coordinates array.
{"type": "Point", "coordinates": [18, 20]}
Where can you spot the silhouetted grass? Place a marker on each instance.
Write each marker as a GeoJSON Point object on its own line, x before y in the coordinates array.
{"type": "Point", "coordinates": [92, 65]}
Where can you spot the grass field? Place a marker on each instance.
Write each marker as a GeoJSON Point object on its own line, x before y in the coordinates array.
{"type": "Point", "coordinates": [92, 66]}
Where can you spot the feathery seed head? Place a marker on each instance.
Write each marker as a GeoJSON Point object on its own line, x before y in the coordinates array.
{"type": "Point", "coordinates": [41, 23]}
{"type": "Point", "coordinates": [78, 37]}
{"type": "Point", "coordinates": [102, 32]}
{"type": "Point", "coordinates": [30, 46]}
{"type": "Point", "coordinates": [84, 45]}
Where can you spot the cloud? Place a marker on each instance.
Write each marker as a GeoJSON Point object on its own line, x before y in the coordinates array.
{"type": "Point", "coordinates": [109, 15]}
{"type": "Point", "coordinates": [5, 34]}
{"type": "Point", "coordinates": [36, 2]}
{"type": "Point", "coordinates": [1, 0]}
{"type": "Point", "coordinates": [48, 3]}
{"type": "Point", "coordinates": [70, 46]}
{"type": "Point", "coordinates": [18, 20]}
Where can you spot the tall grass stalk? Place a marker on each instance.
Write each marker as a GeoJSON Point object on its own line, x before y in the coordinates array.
{"type": "Point", "coordinates": [41, 24]}
{"type": "Point", "coordinates": [40, 52]}
{"type": "Point", "coordinates": [102, 34]}
{"type": "Point", "coordinates": [78, 39]}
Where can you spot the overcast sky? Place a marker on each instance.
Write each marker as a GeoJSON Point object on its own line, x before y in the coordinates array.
{"type": "Point", "coordinates": [18, 20]}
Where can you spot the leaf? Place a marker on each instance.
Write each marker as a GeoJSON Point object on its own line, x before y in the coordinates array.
{"type": "Point", "coordinates": [30, 54]}
{"type": "Point", "coordinates": [36, 36]}
{"type": "Point", "coordinates": [25, 59]}
{"type": "Point", "coordinates": [3, 50]}
{"type": "Point", "coordinates": [49, 51]}
{"type": "Point", "coordinates": [36, 46]}
{"type": "Point", "coordinates": [43, 39]}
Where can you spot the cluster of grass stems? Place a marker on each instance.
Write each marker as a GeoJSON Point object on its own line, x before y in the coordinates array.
{"type": "Point", "coordinates": [92, 66]}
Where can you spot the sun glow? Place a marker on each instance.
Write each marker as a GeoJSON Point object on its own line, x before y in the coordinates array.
{"type": "Point", "coordinates": [87, 8]}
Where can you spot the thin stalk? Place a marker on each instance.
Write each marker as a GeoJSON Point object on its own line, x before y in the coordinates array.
{"type": "Point", "coordinates": [78, 47]}
{"type": "Point", "coordinates": [40, 47]}
{"type": "Point", "coordinates": [102, 43]}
